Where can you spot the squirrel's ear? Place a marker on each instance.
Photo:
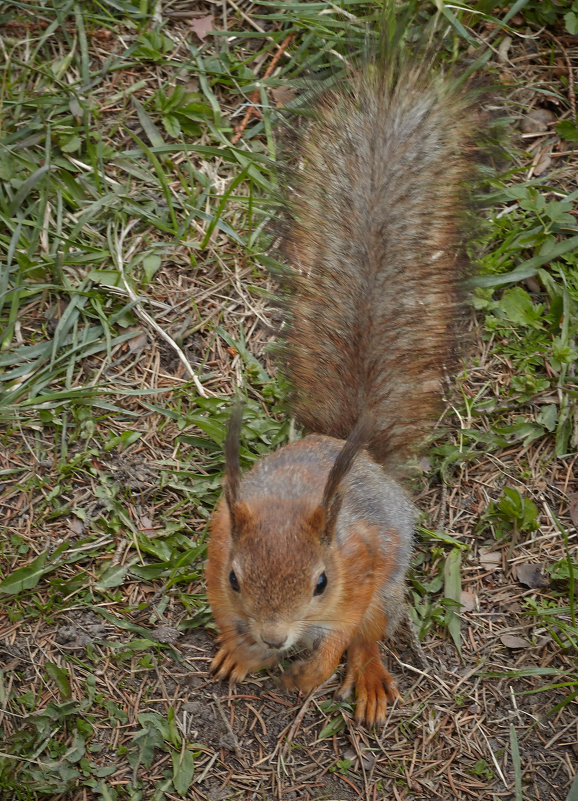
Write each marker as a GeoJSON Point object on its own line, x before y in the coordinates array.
{"type": "Point", "coordinates": [232, 461]}
{"type": "Point", "coordinates": [332, 494]}
{"type": "Point", "coordinates": [316, 521]}
{"type": "Point", "coordinates": [239, 511]}
{"type": "Point", "coordinates": [241, 519]}
{"type": "Point", "coordinates": [322, 521]}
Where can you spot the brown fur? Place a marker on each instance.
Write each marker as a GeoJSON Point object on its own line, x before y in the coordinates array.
{"type": "Point", "coordinates": [309, 549]}
{"type": "Point", "coordinates": [376, 211]}
{"type": "Point", "coordinates": [280, 545]}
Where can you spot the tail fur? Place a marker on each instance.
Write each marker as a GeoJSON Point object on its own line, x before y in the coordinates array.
{"type": "Point", "coordinates": [376, 205]}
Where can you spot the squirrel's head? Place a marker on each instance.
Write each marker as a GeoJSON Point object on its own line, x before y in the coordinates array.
{"type": "Point", "coordinates": [283, 575]}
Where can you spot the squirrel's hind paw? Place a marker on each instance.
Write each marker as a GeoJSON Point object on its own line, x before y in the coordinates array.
{"type": "Point", "coordinates": [374, 687]}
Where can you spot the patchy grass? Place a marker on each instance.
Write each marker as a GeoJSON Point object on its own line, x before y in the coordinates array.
{"type": "Point", "coordinates": [136, 187]}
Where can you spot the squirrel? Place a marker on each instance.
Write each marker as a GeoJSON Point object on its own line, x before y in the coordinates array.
{"type": "Point", "coordinates": [309, 549]}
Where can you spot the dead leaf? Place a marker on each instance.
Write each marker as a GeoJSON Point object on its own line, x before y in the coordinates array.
{"type": "Point", "coordinates": [542, 642]}
{"type": "Point", "coordinates": [283, 95]}
{"type": "Point", "coordinates": [534, 287]}
{"type": "Point", "coordinates": [137, 343]}
{"type": "Point", "coordinates": [368, 760]}
{"type": "Point", "coordinates": [514, 607]}
{"type": "Point", "coordinates": [531, 576]}
{"type": "Point", "coordinates": [468, 601]}
{"type": "Point", "coordinates": [511, 641]}
{"type": "Point", "coordinates": [491, 559]}
{"type": "Point", "coordinates": [504, 48]}
{"type": "Point", "coordinates": [202, 26]}
{"type": "Point", "coordinates": [77, 525]}
{"type": "Point", "coordinates": [541, 162]}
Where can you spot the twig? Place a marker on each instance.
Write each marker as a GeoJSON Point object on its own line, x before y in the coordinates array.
{"type": "Point", "coordinates": [246, 17]}
{"type": "Point", "coordinates": [145, 316]}
{"type": "Point", "coordinates": [253, 111]}
{"type": "Point", "coordinates": [415, 643]}
{"type": "Point", "coordinates": [571, 90]}
{"type": "Point", "coordinates": [221, 711]}
{"type": "Point", "coordinates": [494, 760]}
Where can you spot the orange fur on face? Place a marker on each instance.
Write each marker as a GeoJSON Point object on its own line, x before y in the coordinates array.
{"type": "Point", "coordinates": [278, 548]}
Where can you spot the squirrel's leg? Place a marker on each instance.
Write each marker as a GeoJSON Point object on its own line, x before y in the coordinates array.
{"type": "Point", "coordinates": [307, 675]}
{"type": "Point", "coordinates": [374, 687]}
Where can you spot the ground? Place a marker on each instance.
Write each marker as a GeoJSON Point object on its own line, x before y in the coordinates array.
{"type": "Point", "coordinates": [138, 187]}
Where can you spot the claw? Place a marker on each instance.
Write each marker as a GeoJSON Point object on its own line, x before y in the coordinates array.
{"type": "Point", "coordinates": [225, 666]}
{"type": "Point", "coordinates": [374, 687]}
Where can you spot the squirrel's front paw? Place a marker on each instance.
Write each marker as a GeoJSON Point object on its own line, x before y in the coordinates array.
{"type": "Point", "coordinates": [227, 666]}
{"type": "Point", "coordinates": [234, 661]}
{"type": "Point", "coordinates": [374, 687]}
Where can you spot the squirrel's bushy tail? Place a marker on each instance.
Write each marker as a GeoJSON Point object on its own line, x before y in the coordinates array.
{"type": "Point", "coordinates": [376, 207]}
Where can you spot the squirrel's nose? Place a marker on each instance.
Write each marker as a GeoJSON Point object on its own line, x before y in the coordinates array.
{"type": "Point", "coordinates": [275, 643]}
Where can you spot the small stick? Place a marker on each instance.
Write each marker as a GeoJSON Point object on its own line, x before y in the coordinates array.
{"type": "Point", "coordinates": [571, 90]}
{"type": "Point", "coordinates": [145, 316]}
{"type": "Point", "coordinates": [238, 752]}
{"type": "Point", "coordinates": [253, 111]}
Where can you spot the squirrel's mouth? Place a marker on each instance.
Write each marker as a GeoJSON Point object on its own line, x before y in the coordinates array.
{"type": "Point", "coordinates": [278, 645]}
{"type": "Point", "coordinates": [278, 642]}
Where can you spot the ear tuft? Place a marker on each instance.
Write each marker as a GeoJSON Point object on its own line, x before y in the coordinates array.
{"type": "Point", "coordinates": [346, 456]}
{"type": "Point", "coordinates": [239, 511]}
{"type": "Point", "coordinates": [332, 494]}
{"type": "Point", "coordinates": [232, 460]}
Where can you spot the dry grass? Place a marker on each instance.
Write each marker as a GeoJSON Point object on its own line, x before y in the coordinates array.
{"type": "Point", "coordinates": [104, 689]}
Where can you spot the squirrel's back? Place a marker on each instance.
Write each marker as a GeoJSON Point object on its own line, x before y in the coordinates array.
{"type": "Point", "coordinates": [376, 206]}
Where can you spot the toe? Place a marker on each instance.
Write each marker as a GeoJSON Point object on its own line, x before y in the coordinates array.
{"type": "Point", "coordinates": [361, 709]}
{"type": "Point", "coordinates": [224, 666]}
{"type": "Point", "coordinates": [217, 665]}
{"type": "Point", "coordinates": [390, 688]}
{"type": "Point", "coordinates": [346, 690]}
{"type": "Point", "coordinates": [374, 689]}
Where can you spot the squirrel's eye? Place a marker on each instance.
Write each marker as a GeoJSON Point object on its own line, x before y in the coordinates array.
{"type": "Point", "coordinates": [321, 584]}
{"type": "Point", "coordinates": [234, 581]}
